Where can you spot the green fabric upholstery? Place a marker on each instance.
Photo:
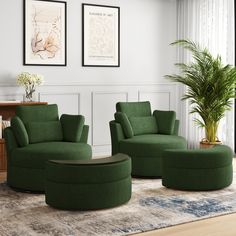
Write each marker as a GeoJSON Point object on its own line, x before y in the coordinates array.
{"type": "Point", "coordinates": [125, 124]}
{"type": "Point", "coordinates": [44, 131]}
{"type": "Point", "coordinates": [35, 155]}
{"type": "Point", "coordinates": [198, 169]}
{"type": "Point", "coordinates": [11, 142]}
{"type": "Point", "coordinates": [143, 125]}
{"type": "Point", "coordinates": [176, 128]}
{"type": "Point", "coordinates": [27, 170]}
{"type": "Point", "coordinates": [19, 131]}
{"type": "Point", "coordinates": [39, 113]}
{"type": "Point", "coordinates": [29, 180]}
{"type": "Point", "coordinates": [117, 135]}
{"type": "Point", "coordinates": [134, 108]}
{"type": "Point", "coordinates": [151, 145]}
{"type": "Point", "coordinates": [165, 121]}
{"type": "Point", "coordinates": [151, 136]}
{"type": "Point", "coordinates": [146, 152]}
{"type": "Point", "coordinates": [26, 163]}
{"type": "Point", "coordinates": [72, 126]}
{"type": "Point", "coordinates": [88, 185]}
{"type": "Point", "coordinates": [84, 135]}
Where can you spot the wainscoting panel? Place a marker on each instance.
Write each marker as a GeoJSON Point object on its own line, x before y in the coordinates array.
{"type": "Point", "coordinates": [67, 103]}
{"type": "Point", "coordinates": [159, 100]}
{"type": "Point", "coordinates": [103, 109]}
{"type": "Point", "coordinates": [11, 97]}
{"type": "Point", "coordinates": [164, 99]}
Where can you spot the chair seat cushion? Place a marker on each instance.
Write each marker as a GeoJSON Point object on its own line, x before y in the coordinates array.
{"type": "Point", "coordinates": [151, 145]}
{"type": "Point", "coordinates": [35, 155]}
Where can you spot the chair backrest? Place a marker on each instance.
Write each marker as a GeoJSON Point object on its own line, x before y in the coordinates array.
{"type": "Point", "coordinates": [41, 123]}
{"type": "Point", "coordinates": [37, 113]}
{"type": "Point", "coordinates": [136, 118]}
{"type": "Point", "coordinates": [137, 109]}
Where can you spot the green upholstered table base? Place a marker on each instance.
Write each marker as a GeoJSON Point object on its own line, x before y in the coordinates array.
{"type": "Point", "coordinates": [200, 169]}
{"type": "Point", "coordinates": [88, 184]}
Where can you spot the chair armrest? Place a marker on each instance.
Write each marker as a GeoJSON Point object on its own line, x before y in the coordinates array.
{"type": "Point", "coordinates": [10, 141]}
{"type": "Point", "coordinates": [117, 135]}
{"type": "Point", "coordinates": [176, 128]}
{"type": "Point", "coordinates": [19, 130]}
{"type": "Point", "coordinates": [84, 135]}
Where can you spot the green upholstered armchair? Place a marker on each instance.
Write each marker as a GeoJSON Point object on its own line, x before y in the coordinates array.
{"type": "Point", "coordinates": [144, 135]}
{"type": "Point", "coordinates": [37, 135]}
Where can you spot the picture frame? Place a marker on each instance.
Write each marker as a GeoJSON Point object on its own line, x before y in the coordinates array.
{"type": "Point", "coordinates": [44, 37]}
{"type": "Point", "coordinates": [100, 35]}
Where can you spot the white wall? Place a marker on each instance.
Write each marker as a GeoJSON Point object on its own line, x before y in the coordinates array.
{"type": "Point", "coordinates": [147, 29]}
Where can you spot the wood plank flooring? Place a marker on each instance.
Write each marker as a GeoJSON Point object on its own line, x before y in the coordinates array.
{"type": "Point", "coordinates": [217, 226]}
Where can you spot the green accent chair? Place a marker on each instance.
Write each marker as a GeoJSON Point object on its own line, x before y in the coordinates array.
{"type": "Point", "coordinates": [37, 135]}
{"type": "Point", "coordinates": [199, 169]}
{"type": "Point", "coordinates": [88, 184]}
{"type": "Point", "coordinates": [144, 136]}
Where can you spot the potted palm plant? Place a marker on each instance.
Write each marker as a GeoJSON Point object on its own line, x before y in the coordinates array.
{"type": "Point", "coordinates": [210, 87]}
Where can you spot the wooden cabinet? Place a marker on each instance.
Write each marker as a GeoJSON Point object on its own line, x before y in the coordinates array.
{"type": "Point", "coordinates": [7, 110]}
{"type": "Point", "coordinates": [3, 158]}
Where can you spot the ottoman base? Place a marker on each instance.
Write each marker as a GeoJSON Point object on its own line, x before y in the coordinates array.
{"type": "Point", "coordinates": [198, 179]}
{"type": "Point", "coordinates": [88, 184]}
{"type": "Point", "coordinates": [199, 169]}
{"type": "Point", "coordinates": [88, 196]}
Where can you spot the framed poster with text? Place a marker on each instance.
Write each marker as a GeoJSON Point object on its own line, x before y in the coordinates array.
{"type": "Point", "coordinates": [100, 35]}
{"type": "Point", "coordinates": [44, 33]}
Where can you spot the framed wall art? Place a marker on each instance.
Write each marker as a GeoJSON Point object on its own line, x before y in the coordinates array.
{"type": "Point", "coordinates": [100, 35]}
{"type": "Point", "coordinates": [44, 33]}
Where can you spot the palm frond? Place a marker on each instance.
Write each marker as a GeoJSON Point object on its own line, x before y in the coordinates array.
{"type": "Point", "coordinates": [210, 84]}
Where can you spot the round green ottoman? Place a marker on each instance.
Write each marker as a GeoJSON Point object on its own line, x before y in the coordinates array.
{"type": "Point", "coordinates": [198, 169]}
{"type": "Point", "coordinates": [88, 184]}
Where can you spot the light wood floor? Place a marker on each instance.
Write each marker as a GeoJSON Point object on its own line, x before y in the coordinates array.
{"type": "Point", "coordinates": [217, 226]}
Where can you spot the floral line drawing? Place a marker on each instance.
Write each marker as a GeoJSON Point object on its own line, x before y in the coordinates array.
{"type": "Point", "coordinates": [48, 46]}
{"type": "Point", "coordinates": [45, 32]}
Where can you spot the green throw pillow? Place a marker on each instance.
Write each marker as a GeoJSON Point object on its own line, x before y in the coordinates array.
{"type": "Point", "coordinates": [72, 126]}
{"type": "Point", "coordinates": [125, 124]}
{"type": "Point", "coordinates": [20, 132]}
{"type": "Point", "coordinates": [143, 125]}
{"type": "Point", "coordinates": [44, 131]}
{"type": "Point", "coordinates": [165, 121]}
